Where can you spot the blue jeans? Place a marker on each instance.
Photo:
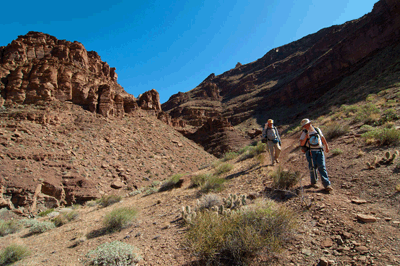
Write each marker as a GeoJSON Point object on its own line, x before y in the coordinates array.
{"type": "Point", "coordinates": [317, 162]}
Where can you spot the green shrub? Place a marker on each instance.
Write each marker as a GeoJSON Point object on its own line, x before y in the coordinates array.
{"type": "Point", "coordinates": [334, 130]}
{"type": "Point", "coordinates": [213, 184]}
{"type": "Point", "coordinates": [199, 180]}
{"type": "Point", "coordinates": [284, 179]}
{"type": "Point", "coordinates": [109, 200]}
{"type": "Point", "coordinates": [119, 219]}
{"type": "Point", "coordinates": [174, 182]}
{"type": "Point", "coordinates": [223, 168]}
{"type": "Point", "coordinates": [388, 115]}
{"type": "Point", "coordinates": [366, 128]}
{"type": "Point", "coordinates": [113, 254]}
{"type": "Point", "coordinates": [13, 253]}
{"type": "Point", "coordinates": [336, 152]}
{"type": "Point", "coordinates": [236, 238]}
{"type": "Point", "coordinates": [9, 227]}
{"type": "Point", "coordinates": [385, 136]}
{"type": "Point", "coordinates": [368, 114]}
{"type": "Point", "coordinates": [349, 109]}
{"type": "Point", "coordinates": [65, 218]}
{"type": "Point", "coordinates": [41, 227]}
{"type": "Point", "coordinates": [44, 213]}
{"type": "Point", "coordinates": [252, 151]}
{"type": "Point", "coordinates": [229, 156]}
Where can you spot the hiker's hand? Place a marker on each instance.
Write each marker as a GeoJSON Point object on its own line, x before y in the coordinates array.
{"type": "Point", "coordinates": [327, 149]}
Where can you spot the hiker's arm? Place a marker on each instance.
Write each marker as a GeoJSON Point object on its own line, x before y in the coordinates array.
{"type": "Point", "coordinates": [303, 140]}
{"type": "Point", "coordinates": [325, 143]}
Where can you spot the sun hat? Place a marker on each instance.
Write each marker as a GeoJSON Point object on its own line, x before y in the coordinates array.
{"type": "Point", "coordinates": [270, 121]}
{"type": "Point", "coordinates": [305, 121]}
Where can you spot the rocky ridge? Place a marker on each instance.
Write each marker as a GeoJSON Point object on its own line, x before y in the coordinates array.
{"type": "Point", "coordinates": [297, 78]}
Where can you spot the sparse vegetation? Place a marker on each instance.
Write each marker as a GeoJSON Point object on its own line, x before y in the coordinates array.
{"type": "Point", "coordinates": [223, 168]}
{"type": "Point", "coordinates": [40, 227]}
{"type": "Point", "coordinates": [252, 151]}
{"type": "Point", "coordinates": [113, 254]}
{"type": "Point", "coordinates": [334, 130]}
{"type": "Point", "coordinates": [199, 180]}
{"type": "Point", "coordinates": [367, 114]}
{"type": "Point", "coordinates": [44, 213]}
{"type": "Point", "coordinates": [336, 152]}
{"type": "Point", "coordinates": [385, 136]}
{"type": "Point", "coordinates": [109, 200]}
{"type": "Point", "coordinates": [9, 227]}
{"type": "Point", "coordinates": [284, 179]}
{"type": "Point", "coordinates": [213, 184]}
{"type": "Point", "coordinates": [230, 156]}
{"type": "Point", "coordinates": [13, 253]}
{"type": "Point", "coordinates": [237, 237]}
{"type": "Point", "coordinates": [173, 182]}
{"type": "Point", "coordinates": [119, 219]}
{"type": "Point", "coordinates": [64, 218]}
{"type": "Point", "coordinates": [208, 201]}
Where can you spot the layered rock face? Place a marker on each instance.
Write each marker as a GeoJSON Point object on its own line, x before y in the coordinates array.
{"type": "Point", "coordinates": [38, 67]}
{"type": "Point", "coordinates": [286, 82]}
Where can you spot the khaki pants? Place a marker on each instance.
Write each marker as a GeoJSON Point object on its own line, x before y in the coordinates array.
{"type": "Point", "coordinates": [274, 150]}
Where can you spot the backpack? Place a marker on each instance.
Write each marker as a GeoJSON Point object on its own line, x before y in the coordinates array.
{"type": "Point", "coordinates": [313, 141]}
{"type": "Point", "coordinates": [276, 140]}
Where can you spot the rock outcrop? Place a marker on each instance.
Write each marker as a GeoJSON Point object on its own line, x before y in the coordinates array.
{"type": "Point", "coordinates": [38, 68]}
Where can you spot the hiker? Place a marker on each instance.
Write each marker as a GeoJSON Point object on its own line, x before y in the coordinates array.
{"type": "Point", "coordinates": [313, 143]}
{"type": "Point", "coordinates": [271, 136]}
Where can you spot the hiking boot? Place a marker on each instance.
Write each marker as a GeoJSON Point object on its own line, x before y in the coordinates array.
{"type": "Point", "coordinates": [314, 186]}
{"type": "Point", "coordinates": [328, 188]}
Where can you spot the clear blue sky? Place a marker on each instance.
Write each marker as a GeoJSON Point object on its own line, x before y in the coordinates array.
{"type": "Point", "coordinates": [173, 46]}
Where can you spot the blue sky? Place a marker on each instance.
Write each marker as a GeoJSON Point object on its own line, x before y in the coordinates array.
{"type": "Point", "coordinates": [172, 46]}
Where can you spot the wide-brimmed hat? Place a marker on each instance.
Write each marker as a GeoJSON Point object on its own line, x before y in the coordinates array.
{"type": "Point", "coordinates": [270, 121]}
{"type": "Point", "coordinates": [305, 121]}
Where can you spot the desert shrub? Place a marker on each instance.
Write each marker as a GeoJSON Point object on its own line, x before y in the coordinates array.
{"type": "Point", "coordinates": [91, 203]}
{"type": "Point", "coordinates": [223, 168]}
{"type": "Point", "coordinates": [229, 156]}
{"type": "Point", "coordinates": [367, 114]}
{"type": "Point", "coordinates": [284, 179]}
{"type": "Point", "coordinates": [244, 149]}
{"type": "Point", "coordinates": [41, 227]}
{"type": "Point", "coordinates": [114, 254]}
{"type": "Point", "coordinates": [213, 184]}
{"type": "Point", "coordinates": [119, 219]}
{"type": "Point", "coordinates": [252, 151]}
{"type": "Point", "coordinates": [199, 180]}
{"type": "Point", "coordinates": [109, 200]}
{"type": "Point", "coordinates": [9, 227]}
{"type": "Point", "coordinates": [349, 110]}
{"type": "Point", "coordinates": [173, 182]}
{"type": "Point", "coordinates": [64, 218]}
{"type": "Point", "coordinates": [150, 190]}
{"type": "Point", "coordinates": [334, 130]}
{"type": "Point", "coordinates": [336, 152]}
{"type": "Point", "coordinates": [236, 238]}
{"type": "Point", "coordinates": [366, 128]}
{"type": "Point", "coordinates": [208, 201]}
{"type": "Point", "coordinates": [385, 136]}
{"type": "Point", "coordinates": [388, 115]}
{"type": "Point", "coordinates": [44, 213]}
{"type": "Point", "coordinates": [13, 253]}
